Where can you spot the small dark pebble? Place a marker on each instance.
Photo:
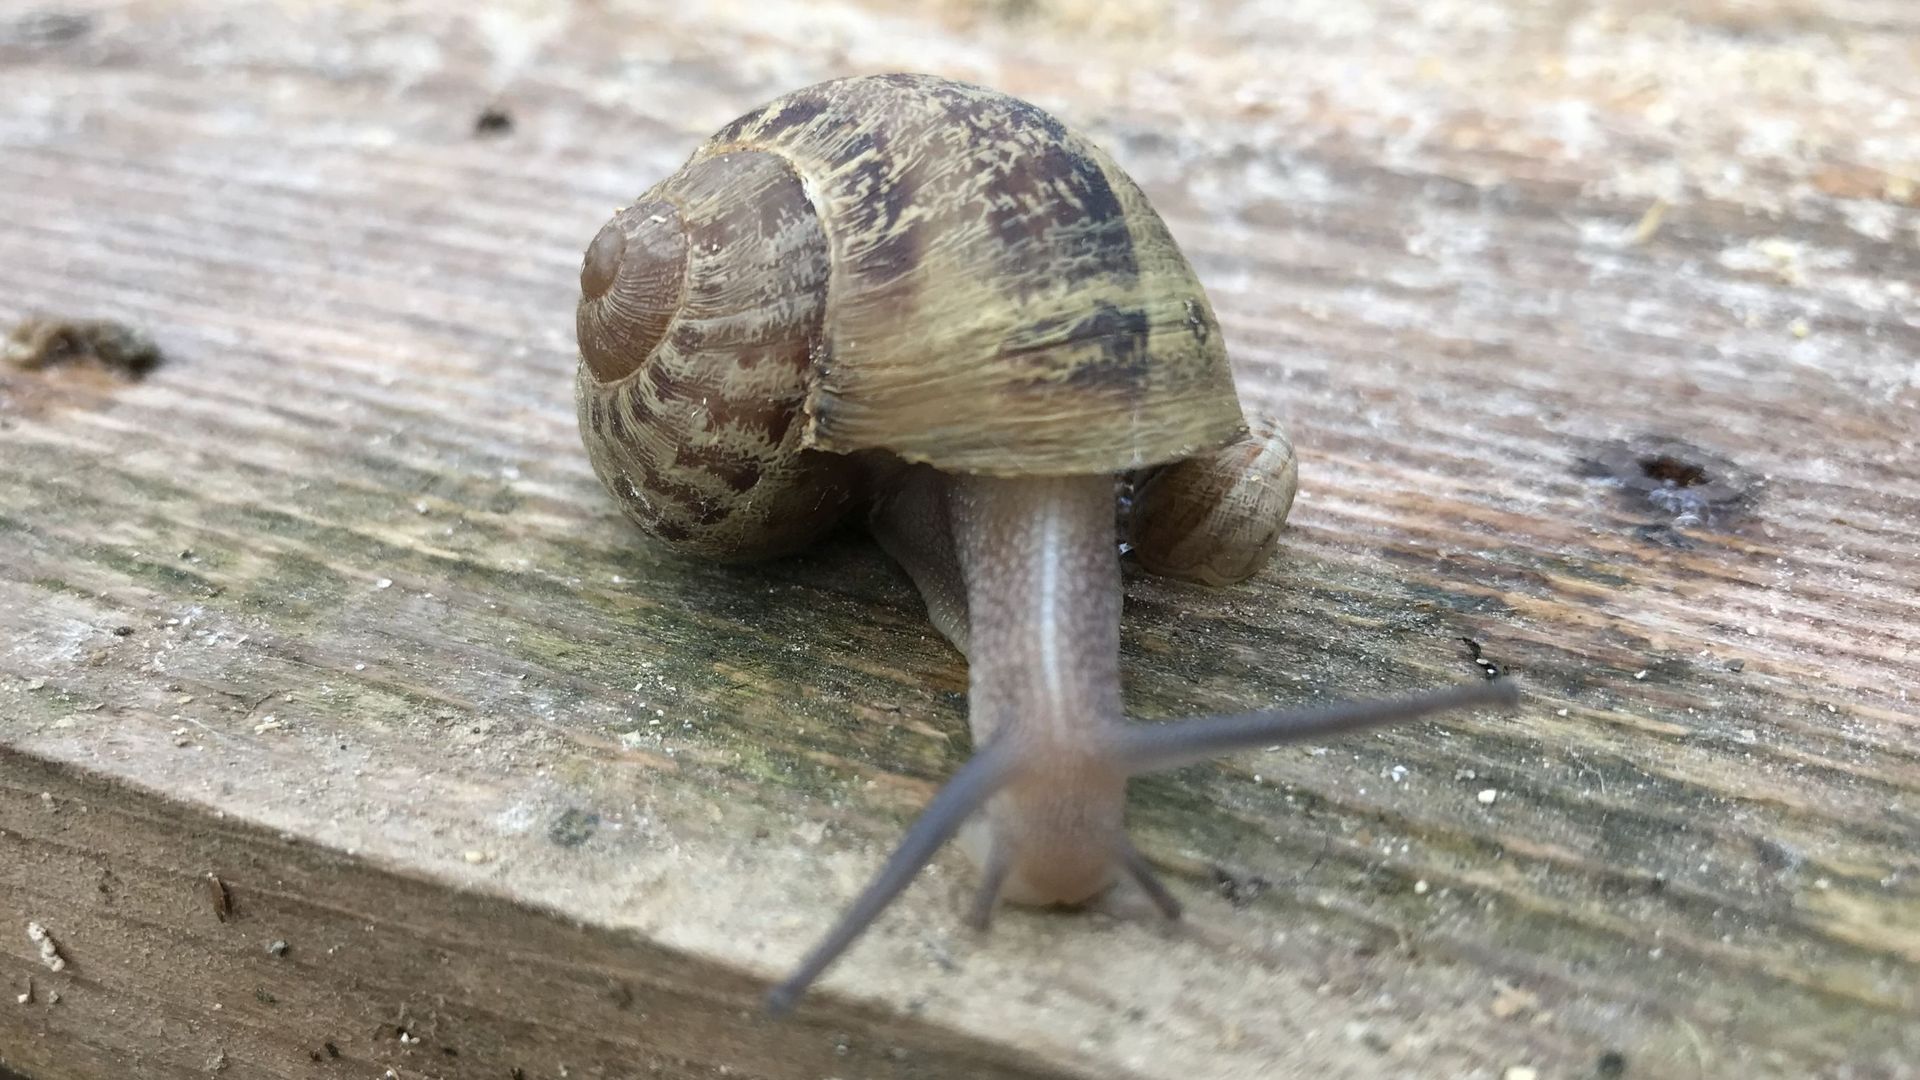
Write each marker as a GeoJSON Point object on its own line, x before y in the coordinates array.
{"type": "Point", "coordinates": [1487, 667]}
{"type": "Point", "coordinates": [1239, 890]}
{"type": "Point", "coordinates": [263, 997]}
{"type": "Point", "coordinates": [1736, 666]}
{"type": "Point", "coordinates": [123, 631]}
{"type": "Point", "coordinates": [37, 343]}
{"type": "Point", "coordinates": [493, 121]}
{"type": "Point", "coordinates": [1612, 1063]}
{"type": "Point", "coordinates": [332, 1050]}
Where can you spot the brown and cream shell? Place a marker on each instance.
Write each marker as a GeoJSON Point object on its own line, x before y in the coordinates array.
{"type": "Point", "coordinates": [896, 264]}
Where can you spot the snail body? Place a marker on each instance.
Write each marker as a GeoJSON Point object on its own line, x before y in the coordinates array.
{"type": "Point", "coordinates": [937, 306]}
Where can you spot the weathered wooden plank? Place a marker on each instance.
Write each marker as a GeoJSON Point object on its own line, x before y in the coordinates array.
{"type": "Point", "coordinates": [1496, 263]}
{"type": "Point", "coordinates": [288, 959]}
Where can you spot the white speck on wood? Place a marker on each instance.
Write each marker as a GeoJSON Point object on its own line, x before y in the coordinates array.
{"type": "Point", "coordinates": [49, 950]}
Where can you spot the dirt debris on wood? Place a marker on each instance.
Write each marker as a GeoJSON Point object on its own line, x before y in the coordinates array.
{"type": "Point", "coordinates": [49, 949]}
{"type": "Point", "coordinates": [42, 342]}
{"type": "Point", "coordinates": [219, 897]}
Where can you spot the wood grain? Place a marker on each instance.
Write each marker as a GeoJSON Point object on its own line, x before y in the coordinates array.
{"type": "Point", "coordinates": [394, 661]}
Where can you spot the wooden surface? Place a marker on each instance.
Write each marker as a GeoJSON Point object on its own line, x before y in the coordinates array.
{"type": "Point", "coordinates": [525, 796]}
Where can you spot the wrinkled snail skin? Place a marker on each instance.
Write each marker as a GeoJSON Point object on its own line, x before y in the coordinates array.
{"type": "Point", "coordinates": [1022, 574]}
{"type": "Point", "coordinates": [1042, 574]}
{"type": "Point", "coordinates": [938, 307]}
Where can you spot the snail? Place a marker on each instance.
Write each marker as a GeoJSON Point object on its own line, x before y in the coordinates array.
{"type": "Point", "coordinates": [934, 305]}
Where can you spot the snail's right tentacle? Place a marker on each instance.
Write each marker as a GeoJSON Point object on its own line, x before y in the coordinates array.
{"type": "Point", "coordinates": [1142, 748]}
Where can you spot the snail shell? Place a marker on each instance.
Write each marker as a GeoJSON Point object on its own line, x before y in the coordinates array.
{"type": "Point", "coordinates": [893, 263]}
{"type": "Point", "coordinates": [1216, 518]}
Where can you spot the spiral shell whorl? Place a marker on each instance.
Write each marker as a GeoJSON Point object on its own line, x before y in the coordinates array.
{"type": "Point", "coordinates": [1216, 518]}
{"type": "Point", "coordinates": [700, 310]}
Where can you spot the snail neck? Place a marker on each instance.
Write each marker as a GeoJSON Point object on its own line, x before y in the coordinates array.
{"type": "Point", "coordinates": [1023, 575]}
{"type": "Point", "coordinates": [1040, 566]}
{"type": "Point", "coordinates": [1040, 563]}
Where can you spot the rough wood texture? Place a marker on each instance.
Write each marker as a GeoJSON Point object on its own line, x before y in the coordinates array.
{"type": "Point", "coordinates": [512, 782]}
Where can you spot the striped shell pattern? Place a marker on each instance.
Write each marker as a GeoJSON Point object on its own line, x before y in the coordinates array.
{"type": "Point", "coordinates": [895, 265]}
